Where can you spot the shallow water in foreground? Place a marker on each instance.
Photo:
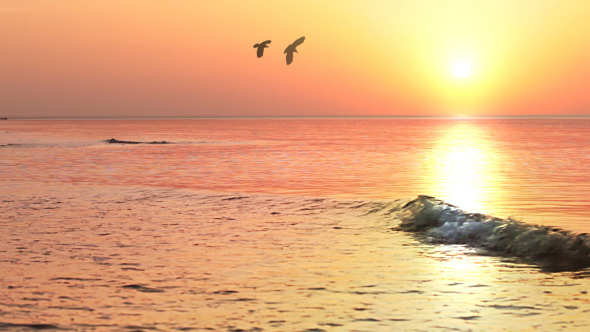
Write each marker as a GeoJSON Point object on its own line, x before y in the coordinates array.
{"type": "Point", "coordinates": [136, 258]}
{"type": "Point", "coordinates": [240, 227]}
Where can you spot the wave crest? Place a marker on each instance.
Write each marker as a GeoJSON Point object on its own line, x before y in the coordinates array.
{"type": "Point", "coordinates": [441, 222]}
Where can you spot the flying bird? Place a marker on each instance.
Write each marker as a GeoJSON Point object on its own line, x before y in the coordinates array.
{"type": "Point", "coordinates": [260, 47]}
{"type": "Point", "coordinates": [291, 48]}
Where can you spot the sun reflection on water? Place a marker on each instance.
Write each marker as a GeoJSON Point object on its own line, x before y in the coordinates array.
{"type": "Point", "coordinates": [464, 168]}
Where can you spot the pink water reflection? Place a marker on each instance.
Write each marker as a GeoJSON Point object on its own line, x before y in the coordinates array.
{"type": "Point", "coordinates": [537, 170]}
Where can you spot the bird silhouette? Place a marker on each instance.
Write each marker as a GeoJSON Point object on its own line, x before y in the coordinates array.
{"type": "Point", "coordinates": [291, 48]}
{"type": "Point", "coordinates": [260, 47]}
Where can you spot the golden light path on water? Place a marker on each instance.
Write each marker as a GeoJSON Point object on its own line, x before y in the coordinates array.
{"type": "Point", "coordinates": [465, 168]}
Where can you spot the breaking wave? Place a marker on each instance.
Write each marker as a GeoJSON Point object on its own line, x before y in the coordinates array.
{"type": "Point", "coordinates": [439, 222]}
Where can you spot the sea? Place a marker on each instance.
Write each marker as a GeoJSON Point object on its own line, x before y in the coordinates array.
{"type": "Point", "coordinates": [313, 224]}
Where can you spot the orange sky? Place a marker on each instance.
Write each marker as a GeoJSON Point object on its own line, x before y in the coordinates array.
{"type": "Point", "coordinates": [360, 58]}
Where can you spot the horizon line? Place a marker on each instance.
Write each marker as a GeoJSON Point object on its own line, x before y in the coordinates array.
{"type": "Point", "coordinates": [475, 117]}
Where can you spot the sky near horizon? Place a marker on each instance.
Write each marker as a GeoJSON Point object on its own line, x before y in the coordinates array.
{"type": "Point", "coordinates": [148, 58]}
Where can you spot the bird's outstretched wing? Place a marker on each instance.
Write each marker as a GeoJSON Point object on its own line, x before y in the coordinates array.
{"type": "Point", "coordinates": [263, 44]}
{"type": "Point", "coordinates": [259, 51]}
{"type": "Point", "coordinates": [298, 42]}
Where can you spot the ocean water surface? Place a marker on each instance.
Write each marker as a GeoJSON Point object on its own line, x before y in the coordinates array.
{"type": "Point", "coordinates": [294, 224]}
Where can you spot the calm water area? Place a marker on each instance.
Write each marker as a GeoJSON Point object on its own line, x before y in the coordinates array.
{"type": "Point", "coordinates": [270, 224]}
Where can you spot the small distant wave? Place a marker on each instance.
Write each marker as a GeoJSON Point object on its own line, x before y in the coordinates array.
{"type": "Point", "coordinates": [440, 222]}
{"type": "Point", "coordinates": [10, 145]}
{"type": "Point", "coordinates": [28, 326]}
{"type": "Point", "coordinates": [116, 141]}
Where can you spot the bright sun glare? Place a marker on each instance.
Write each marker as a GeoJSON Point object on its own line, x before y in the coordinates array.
{"type": "Point", "coordinates": [461, 69]}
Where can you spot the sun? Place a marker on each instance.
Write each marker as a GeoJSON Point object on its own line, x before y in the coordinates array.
{"type": "Point", "coordinates": [461, 69]}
